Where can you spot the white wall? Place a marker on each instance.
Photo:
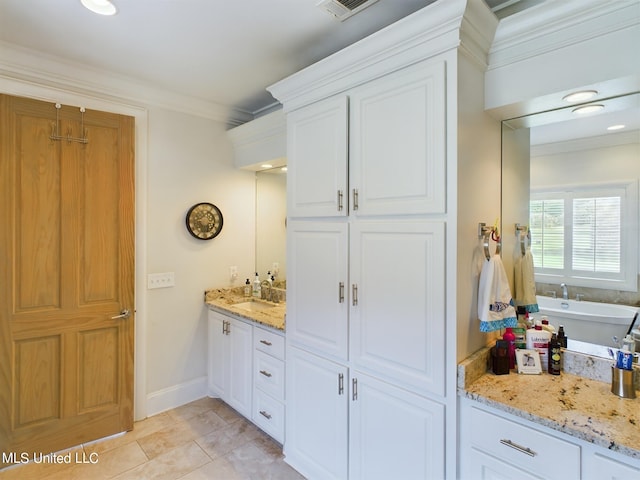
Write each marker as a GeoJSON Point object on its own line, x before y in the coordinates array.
{"type": "Point", "coordinates": [190, 161]}
{"type": "Point", "coordinates": [478, 187]}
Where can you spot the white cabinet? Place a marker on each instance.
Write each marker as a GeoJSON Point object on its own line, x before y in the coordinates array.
{"type": "Point", "coordinates": [393, 433]}
{"type": "Point", "coordinates": [366, 275]}
{"type": "Point", "coordinates": [397, 311]}
{"type": "Point", "coordinates": [230, 361]}
{"type": "Point", "coordinates": [395, 147]}
{"type": "Point", "coordinates": [397, 143]}
{"type": "Point", "coordinates": [317, 416]}
{"type": "Point", "coordinates": [496, 445]}
{"type": "Point", "coordinates": [317, 159]}
{"type": "Point", "coordinates": [317, 308]}
{"type": "Point", "coordinates": [269, 382]}
{"type": "Point", "coordinates": [601, 465]}
{"type": "Point", "coordinates": [343, 424]}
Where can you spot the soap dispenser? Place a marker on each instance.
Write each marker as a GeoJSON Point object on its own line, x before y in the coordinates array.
{"type": "Point", "coordinates": [247, 288]}
{"type": "Point", "coordinates": [257, 289]}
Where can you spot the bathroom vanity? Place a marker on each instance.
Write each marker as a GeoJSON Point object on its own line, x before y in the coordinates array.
{"type": "Point", "coordinates": [527, 426]}
{"type": "Point", "coordinates": [246, 357]}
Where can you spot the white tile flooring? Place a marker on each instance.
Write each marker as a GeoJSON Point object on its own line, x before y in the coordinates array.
{"type": "Point", "coordinates": [205, 439]}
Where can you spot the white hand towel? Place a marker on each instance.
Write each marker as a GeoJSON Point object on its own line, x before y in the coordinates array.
{"type": "Point", "coordinates": [525, 283]}
{"type": "Point", "coordinates": [495, 304]}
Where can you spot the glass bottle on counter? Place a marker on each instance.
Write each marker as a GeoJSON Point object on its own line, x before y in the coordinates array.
{"type": "Point", "coordinates": [555, 355]}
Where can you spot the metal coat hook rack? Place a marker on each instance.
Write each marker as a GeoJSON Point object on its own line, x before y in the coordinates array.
{"type": "Point", "coordinates": [55, 134]}
{"type": "Point", "coordinates": [486, 234]}
{"type": "Point", "coordinates": [524, 234]}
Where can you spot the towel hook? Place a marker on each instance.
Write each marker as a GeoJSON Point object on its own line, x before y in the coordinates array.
{"type": "Point", "coordinates": [488, 233]}
{"type": "Point", "coordinates": [523, 233]}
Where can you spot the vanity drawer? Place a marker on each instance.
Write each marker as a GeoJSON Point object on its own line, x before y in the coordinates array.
{"type": "Point", "coordinates": [268, 342]}
{"type": "Point", "coordinates": [527, 448]}
{"type": "Point", "coordinates": [268, 414]}
{"type": "Point", "coordinates": [268, 374]}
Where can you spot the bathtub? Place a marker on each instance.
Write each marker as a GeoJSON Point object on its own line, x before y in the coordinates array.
{"type": "Point", "coordinates": [587, 321]}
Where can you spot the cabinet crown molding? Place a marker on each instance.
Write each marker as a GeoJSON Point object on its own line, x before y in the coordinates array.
{"type": "Point", "coordinates": [431, 31]}
{"type": "Point", "coordinates": [556, 24]}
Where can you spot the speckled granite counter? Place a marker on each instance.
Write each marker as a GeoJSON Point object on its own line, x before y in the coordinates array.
{"type": "Point", "coordinates": [224, 300]}
{"type": "Point", "coordinates": [578, 406]}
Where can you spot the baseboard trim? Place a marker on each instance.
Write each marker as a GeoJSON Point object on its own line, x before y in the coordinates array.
{"type": "Point", "coordinates": [176, 395]}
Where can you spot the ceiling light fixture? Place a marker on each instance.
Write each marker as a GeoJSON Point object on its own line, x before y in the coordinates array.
{"type": "Point", "coordinates": [616, 127]}
{"type": "Point", "coordinates": [266, 165]}
{"type": "Point", "coordinates": [586, 109]}
{"type": "Point", "coordinates": [101, 7]}
{"type": "Point", "coordinates": [581, 96]}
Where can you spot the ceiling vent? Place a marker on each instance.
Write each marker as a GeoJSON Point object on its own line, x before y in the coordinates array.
{"type": "Point", "coordinates": [343, 9]}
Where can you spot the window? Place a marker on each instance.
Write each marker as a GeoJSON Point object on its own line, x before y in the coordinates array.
{"type": "Point", "coordinates": [586, 236]}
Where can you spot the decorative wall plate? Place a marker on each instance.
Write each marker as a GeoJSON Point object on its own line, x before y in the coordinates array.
{"type": "Point", "coordinates": [204, 221]}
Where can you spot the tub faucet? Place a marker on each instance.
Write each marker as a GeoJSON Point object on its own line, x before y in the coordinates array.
{"type": "Point", "coordinates": [565, 293]}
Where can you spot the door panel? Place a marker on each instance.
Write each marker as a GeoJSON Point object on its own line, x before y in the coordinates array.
{"type": "Point", "coordinates": [66, 268]}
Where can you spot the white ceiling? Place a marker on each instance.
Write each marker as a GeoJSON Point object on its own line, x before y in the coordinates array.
{"type": "Point", "coordinates": [220, 51]}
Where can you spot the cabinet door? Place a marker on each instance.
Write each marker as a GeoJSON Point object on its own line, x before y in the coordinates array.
{"type": "Point", "coordinates": [240, 366]}
{"type": "Point", "coordinates": [393, 433]}
{"type": "Point", "coordinates": [217, 354]}
{"type": "Point", "coordinates": [397, 143]}
{"type": "Point", "coordinates": [602, 467]}
{"type": "Point", "coordinates": [397, 313]}
{"type": "Point", "coordinates": [316, 418]}
{"type": "Point", "coordinates": [317, 159]}
{"type": "Point", "coordinates": [480, 466]}
{"type": "Point", "coordinates": [317, 287]}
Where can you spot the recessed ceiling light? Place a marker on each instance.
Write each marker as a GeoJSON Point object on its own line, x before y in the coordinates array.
{"type": "Point", "coordinates": [616, 127]}
{"type": "Point", "coordinates": [581, 96]}
{"type": "Point", "coordinates": [284, 169]}
{"type": "Point", "coordinates": [585, 109]}
{"type": "Point", "coordinates": [266, 165]}
{"type": "Point", "coordinates": [101, 7]}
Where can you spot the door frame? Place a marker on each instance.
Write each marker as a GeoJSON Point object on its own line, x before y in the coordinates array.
{"type": "Point", "coordinates": [60, 95]}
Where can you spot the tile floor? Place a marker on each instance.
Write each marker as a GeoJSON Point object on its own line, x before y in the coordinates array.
{"type": "Point", "coordinates": [205, 439]}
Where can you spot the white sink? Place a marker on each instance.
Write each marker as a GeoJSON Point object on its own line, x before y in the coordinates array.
{"type": "Point", "coordinates": [253, 306]}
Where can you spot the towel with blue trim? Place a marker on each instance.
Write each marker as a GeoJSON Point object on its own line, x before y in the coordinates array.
{"type": "Point", "coordinates": [495, 304]}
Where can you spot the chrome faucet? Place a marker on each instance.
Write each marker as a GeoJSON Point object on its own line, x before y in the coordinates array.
{"type": "Point", "coordinates": [272, 296]}
{"type": "Point", "coordinates": [565, 293]}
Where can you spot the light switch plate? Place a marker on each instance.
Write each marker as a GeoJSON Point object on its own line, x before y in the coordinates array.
{"type": "Point", "coordinates": [161, 280]}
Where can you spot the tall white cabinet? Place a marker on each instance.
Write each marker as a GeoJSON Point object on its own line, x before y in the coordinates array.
{"type": "Point", "coordinates": [370, 334]}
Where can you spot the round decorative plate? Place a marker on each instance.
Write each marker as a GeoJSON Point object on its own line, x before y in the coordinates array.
{"type": "Point", "coordinates": [204, 221]}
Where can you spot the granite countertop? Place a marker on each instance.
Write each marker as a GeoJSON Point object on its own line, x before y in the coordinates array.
{"type": "Point", "coordinates": [225, 300]}
{"type": "Point", "coordinates": [575, 405]}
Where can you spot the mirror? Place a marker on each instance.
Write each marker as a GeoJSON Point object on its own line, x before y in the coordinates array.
{"type": "Point", "coordinates": [271, 214]}
{"type": "Point", "coordinates": [562, 157]}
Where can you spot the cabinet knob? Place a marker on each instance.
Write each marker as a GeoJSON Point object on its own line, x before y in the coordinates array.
{"type": "Point", "coordinates": [265, 373]}
{"type": "Point", "coordinates": [340, 195]}
{"type": "Point", "coordinates": [341, 292]}
{"type": "Point", "coordinates": [265, 414]}
{"type": "Point", "coordinates": [267, 343]}
{"type": "Point", "coordinates": [354, 294]}
{"type": "Point", "coordinates": [355, 199]}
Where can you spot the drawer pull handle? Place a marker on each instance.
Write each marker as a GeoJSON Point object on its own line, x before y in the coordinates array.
{"type": "Point", "coordinates": [268, 344]}
{"type": "Point", "coordinates": [265, 373]}
{"type": "Point", "coordinates": [265, 414]}
{"type": "Point", "coordinates": [519, 448]}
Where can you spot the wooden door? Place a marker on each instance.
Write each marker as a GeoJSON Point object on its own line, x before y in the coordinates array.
{"type": "Point", "coordinates": [66, 268]}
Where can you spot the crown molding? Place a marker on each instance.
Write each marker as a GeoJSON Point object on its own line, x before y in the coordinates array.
{"type": "Point", "coordinates": [426, 33]}
{"type": "Point", "coordinates": [30, 66]}
{"type": "Point", "coordinates": [556, 24]}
